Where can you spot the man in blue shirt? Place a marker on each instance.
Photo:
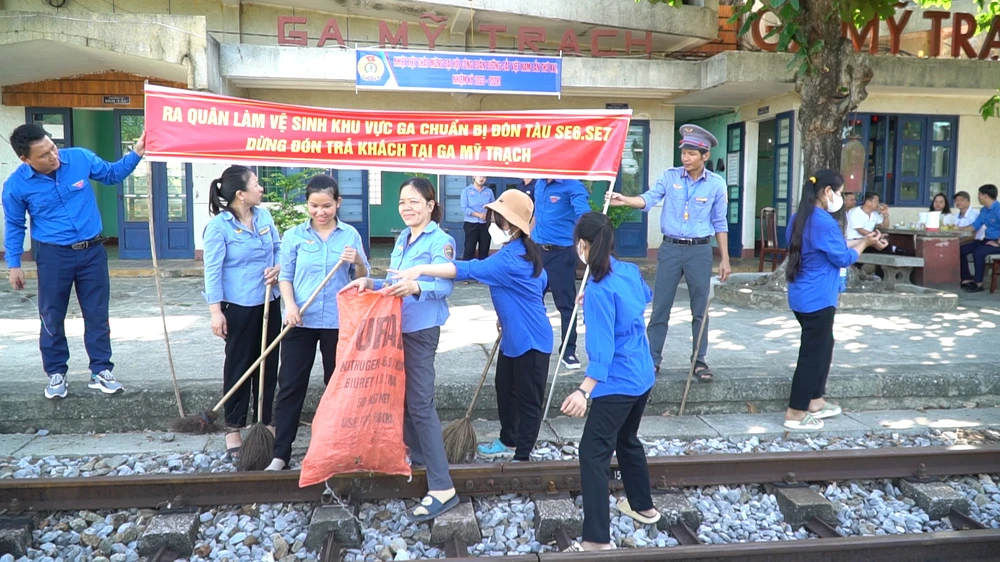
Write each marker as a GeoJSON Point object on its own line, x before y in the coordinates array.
{"type": "Point", "coordinates": [527, 186]}
{"type": "Point", "coordinates": [474, 198]}
{"type": "Point", "coordinates": [558, 205]}
{"type": "Point", "coordinates": [694, 209]}
{"type": "Point", "coordinates": [989, 217]}
{"type": "Point", "coordinates": [52, 186]}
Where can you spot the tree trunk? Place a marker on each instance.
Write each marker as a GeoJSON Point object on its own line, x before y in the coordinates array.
{"type": "Point", "coordinates": [835, 87]}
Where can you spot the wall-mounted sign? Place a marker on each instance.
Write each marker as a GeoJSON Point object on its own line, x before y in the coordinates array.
{"type": "Point", "coordinates": [963, 28]}
{"type": "Point", "coordinates": [616, 106]}
{"type": "Point", "coordinates": [117, 100]}
{"type": "Point", "coordinates": [764, 110]}
{"type": "Point", "coordinates": [458, 72]}
{"type": "Point", "coordinates": [603, 42]}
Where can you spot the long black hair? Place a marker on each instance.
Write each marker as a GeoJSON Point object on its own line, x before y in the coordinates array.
{"type": "Point", "coordinates": [426, 190]}
{"type": "Point", "coordinates": [814, 186]}
{"type": "Point", "coordinates": [222, 192]}
{"type": "Point", "coordinates": [323, 183]}
{"type": "Point", "coordinates": [596, 230]}
{"type": "Point", "coordinates": [947, 208]}
{"type": "Point", "coordinates": [532, 253]}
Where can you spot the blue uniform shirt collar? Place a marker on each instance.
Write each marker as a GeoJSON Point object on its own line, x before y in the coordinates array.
{"type": "Point", "coordinates": [431, 227]}
{"type": "Point", "coordinates": [307, 225]}
{"type": "Point", "coordinates": [684, 174]}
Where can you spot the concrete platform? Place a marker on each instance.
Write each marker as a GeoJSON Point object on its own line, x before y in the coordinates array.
{"type": "Point", "coordinates": [731, 427]}
{"type": "Point", "coordinates": [883, 360]}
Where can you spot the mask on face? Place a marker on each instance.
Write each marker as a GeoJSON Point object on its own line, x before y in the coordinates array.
{"type": "Point", "coordinates": [498, 235]}
{"type": "Point", "coordinates": [836, 203]}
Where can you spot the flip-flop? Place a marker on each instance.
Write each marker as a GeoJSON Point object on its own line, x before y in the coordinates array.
{"type": "Point", "coordinates": [703, 373]}
{"type": "Point", "coordinates": [626, 509]}
{"type": "Point", "coordinates": [434, 508]}
{"type": "Point", "coordinates": [577, 547]}
{"type": "Point", "coordinates": [808, 423]}
{"type": "Point", "coordinates": [827, 411]}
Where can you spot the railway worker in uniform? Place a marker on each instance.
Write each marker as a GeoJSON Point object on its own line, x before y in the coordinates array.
{"type": "Point", "coordinates": [817, 252]}
{"type": "Point", "coordinates": [619, 378]}
{"type": "Point", "coordinates": [308, 252]}
{"type": "Point", "coordinates": [694, 208]}
{"type": "Point", "coordinates": [517, 285]}
{"type": "Point", "coordinates": [558, 205]}
{"type": "Point", "coordinates": [52, 187]}
{"type": "Point", "coordinates": [473, 200]}
{"type": "Point", "coordinates": [425, 310]}
{"type": "Point", "coordinates": [241, 256]}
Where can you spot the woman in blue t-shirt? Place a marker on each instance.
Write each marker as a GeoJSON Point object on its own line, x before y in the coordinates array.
{"type": "Point", "coordinates": [517, 287]}
{"type": "Point", "coordinates": [619, 377]}
{"type": "Point", "coordinates": [817, 254]}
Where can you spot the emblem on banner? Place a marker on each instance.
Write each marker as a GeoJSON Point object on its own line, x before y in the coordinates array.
{"type": "Point", "coordinates": [371, 68]}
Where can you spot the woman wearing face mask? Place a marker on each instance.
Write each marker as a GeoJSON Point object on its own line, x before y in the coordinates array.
{"type": "Point", "coordinates": [308, 252]}
{"type": "Point", "coordinates": [517, 283]}
{"type": "Point", "coordinates": [425, 309]}
{"type": "Point", "coordinates": [817, 252]}
{"type": "Point", "coordinates": [619, 377]}
{"type": "Point", "coordinates": [241, 255]}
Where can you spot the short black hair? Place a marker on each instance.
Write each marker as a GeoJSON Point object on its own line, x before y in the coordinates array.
{"type": "Point", "coordinates": [988, 190]}
{"type": "Point", "coordinates": [963, 194]}
{"type": "Point", "coordinates": [24, 136]}
{"type": "Point", "coordinates": [869, 195]}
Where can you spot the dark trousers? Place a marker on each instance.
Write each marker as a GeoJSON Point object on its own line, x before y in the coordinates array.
{"type": "Point", "coordinates": [694, 263]}
{"type": "Point", "coordinates": [421, 424]}
{"type": "Point", "coordinates": [520, 391]}
{"type": "Point", "coordinates": [978, 249]}
{"type": "Point", "coordinates": [59, 270]}
{"type": "Point", "coordinates": [560, 266]}
{"type": "Point", "coordinates": [476, 234]}
{"type": "Point", "coordinates": [244, 325]}
{"type": "Point", "coordinates": [815, 356]}
{"type": "Point", "coordinates": [612, 427]}
{"type": "Point", "coordinates": [298, 353]}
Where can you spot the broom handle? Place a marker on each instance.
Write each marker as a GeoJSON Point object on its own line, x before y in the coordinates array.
{"type": "Point", "coordinates": [263, 348]}
{"type": "Point", "coordinates": [277, 340]}
{"type": "Point", "coordinates": [159, 296]}
{"type": "Point", "coordinates": [697, 350]}
{"type": "Point", "coordinates": [482, 379]}
{"type": "Point", "coordinates": [576, 308]}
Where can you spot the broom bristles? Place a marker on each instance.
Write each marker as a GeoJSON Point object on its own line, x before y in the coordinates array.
{"type": "Point", "coordinates": [198, 424]}
{"type": "Point", "coordinates": [460, 441]}
{"type": "Point", "coordinates": [257, 449]}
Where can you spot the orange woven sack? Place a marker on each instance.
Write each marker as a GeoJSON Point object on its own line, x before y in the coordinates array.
{"type": "Point", "coordinates": [358, 426]}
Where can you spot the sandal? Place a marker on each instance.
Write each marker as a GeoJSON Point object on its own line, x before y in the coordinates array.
{"type": "Point", "coordinates": [233, 453]}
{"type": "Point", "coordinates": [808, 423]}
{"type": "Point", "coordinates": [626, 509]}
{"type": "Point", "coordinates": [827, 411]}
{"type": "Point", "coordinates": [577, 546]}
{"type": "Point", "coordinates": [433, 507]}
{"type": "Point", "coordinates": [703, 373]}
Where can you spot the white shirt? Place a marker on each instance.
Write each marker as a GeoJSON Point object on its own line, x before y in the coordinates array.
{"type": "Point", "coordinates": [970, 217]}
{"type": "Point", "coordinates": [858, 218]}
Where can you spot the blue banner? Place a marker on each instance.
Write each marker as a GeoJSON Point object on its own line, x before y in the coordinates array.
{"type": "Point", "coordinates": [458, 72]}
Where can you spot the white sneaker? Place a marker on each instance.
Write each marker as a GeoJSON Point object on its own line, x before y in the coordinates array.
{"type": "Point", "coordinates": [105, 382]}
{"type": "Point", "coordinates": [276, 464]}
{"type": "Point", "coordinates": [57, 387]}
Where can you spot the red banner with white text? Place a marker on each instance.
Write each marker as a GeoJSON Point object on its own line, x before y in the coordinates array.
{"type": "Point", "coordinates": [198, 127]}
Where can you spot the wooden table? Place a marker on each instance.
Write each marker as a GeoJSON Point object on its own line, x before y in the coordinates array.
{"type": "Point", "coordinates": [940, 250]}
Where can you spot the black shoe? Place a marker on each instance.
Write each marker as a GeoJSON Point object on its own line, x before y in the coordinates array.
{"type": "Point", "coordinates": [976, 289]}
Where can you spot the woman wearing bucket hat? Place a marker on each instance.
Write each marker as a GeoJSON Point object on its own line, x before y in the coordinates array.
{"type": "Point", "coordinates": [517, 283]}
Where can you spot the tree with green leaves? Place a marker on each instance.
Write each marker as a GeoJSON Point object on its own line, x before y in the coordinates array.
{"type": "Point", "coordinates": [831, 77]}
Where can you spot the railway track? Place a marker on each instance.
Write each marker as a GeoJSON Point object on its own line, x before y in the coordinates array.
{"type": "Point", "coordinates": [970, 541]}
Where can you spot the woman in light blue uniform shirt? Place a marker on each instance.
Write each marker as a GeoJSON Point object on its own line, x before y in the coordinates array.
{"type": "Point", "coordinates": [425, 310]}
{"type": "Point", "coordinates": [241, 255]}
{"type": "Point", "coordinates": [619, 377]}
{"type": "Point", "coordinates": [308, 252]}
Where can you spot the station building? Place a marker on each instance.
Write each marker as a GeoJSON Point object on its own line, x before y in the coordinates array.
{"type": "Point", "coordinates": [78, 67]}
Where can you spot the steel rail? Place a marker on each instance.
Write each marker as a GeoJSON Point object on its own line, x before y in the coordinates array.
{"type": "Point", "coordinates": [153, 491]}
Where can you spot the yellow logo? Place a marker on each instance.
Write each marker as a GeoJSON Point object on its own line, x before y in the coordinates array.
{"type": "Point", "coordinates": [265, 231]}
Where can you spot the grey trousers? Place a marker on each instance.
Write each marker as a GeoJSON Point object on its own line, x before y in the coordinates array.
{"type": "Point", "coordinates": [695, 264]}
{"type": "Point", "coordinates": [421, 425]}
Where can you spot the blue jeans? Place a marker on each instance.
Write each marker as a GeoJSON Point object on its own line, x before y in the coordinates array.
{"type": "Point", "coordinates": [59, 269]}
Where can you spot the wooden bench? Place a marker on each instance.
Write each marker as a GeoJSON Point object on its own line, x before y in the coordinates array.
{"type": "Point", "coordinates": [897, 269]}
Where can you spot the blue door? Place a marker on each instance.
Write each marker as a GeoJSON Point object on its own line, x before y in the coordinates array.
{"type": "Point", "coordinates": [453, 221]}
{"type": "Point", "coordinates": [354, 202]}
{"type": "Point", "coordinates": [631, 237]}
{"type": "Point", "coordinates": [784, 127]}
{"type": "Point", "coordinates": [733, 175]}
{"type": "Point", "coordinates": [499, 185]}
{"type": "Point", "coordinates": [172, 201]}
